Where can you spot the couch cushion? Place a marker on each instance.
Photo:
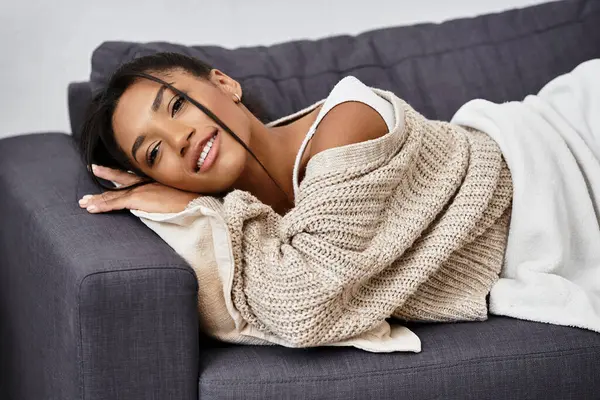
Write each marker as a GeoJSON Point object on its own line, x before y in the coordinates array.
{"type": "Point", "coordinates": [436, 68]}
{"type": "Point", "coordinates": [501, 358]}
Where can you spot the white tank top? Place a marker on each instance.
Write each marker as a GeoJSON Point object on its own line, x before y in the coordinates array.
{"type": "Point", "coordinates": [347, 89]}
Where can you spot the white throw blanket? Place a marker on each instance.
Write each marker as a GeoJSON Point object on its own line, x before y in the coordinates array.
{"type": "Point", "coordinates": [551, 143]}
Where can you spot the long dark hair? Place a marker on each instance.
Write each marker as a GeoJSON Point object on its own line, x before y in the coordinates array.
{"type": "Point", "coordinates": [98, 143]}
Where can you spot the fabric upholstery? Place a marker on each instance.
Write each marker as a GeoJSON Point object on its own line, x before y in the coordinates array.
{"type": "Point", "coordinates": [92, 306]}
{"type": "Point", "coordinates": [80, 97]}
{"type": "Point", "coordinates": [500, 359]}
{"type": "Point", "coordinates": [436, 68]}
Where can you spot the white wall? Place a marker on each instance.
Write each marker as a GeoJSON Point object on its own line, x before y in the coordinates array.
{"type": "Point", "coordinates": [46, 44]}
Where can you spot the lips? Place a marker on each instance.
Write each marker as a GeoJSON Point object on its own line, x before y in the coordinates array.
{"type": "Point", "coordinates": [196, 151]}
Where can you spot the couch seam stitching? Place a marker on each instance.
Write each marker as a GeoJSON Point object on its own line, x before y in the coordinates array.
{"type": "Point", "coordinates": [410, 370]}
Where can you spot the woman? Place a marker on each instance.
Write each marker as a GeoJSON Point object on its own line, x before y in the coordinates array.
{"type": "Point", "coordinates": [179, 130]}
{"type": "Point", "coordinates": [341, 215]}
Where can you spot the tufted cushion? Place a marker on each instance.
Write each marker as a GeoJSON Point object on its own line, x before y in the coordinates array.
{"type": "Point", "coordinates": [435, 67]}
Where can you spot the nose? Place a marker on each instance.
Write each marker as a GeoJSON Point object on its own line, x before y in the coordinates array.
{"type": "Point", "coordinates": [179, 135]}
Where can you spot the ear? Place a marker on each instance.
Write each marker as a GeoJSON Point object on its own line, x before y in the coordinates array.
{"type": "Point", "coordinates": [228, 85]}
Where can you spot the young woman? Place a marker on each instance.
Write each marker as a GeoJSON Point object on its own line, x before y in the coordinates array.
{"type": "Point", "coordinates": [143, 126]}
{"type": "Point", "coordinates": [341, 215]}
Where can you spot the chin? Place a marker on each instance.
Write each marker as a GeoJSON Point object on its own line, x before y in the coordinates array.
{"type": "Point", "coordinates": [226, 172]}
{"type": "Point", "coordinates": [219, 180]}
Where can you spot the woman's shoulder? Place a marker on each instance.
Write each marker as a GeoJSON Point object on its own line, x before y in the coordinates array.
{"type": "Point", "coordinates": [349, 115]}
{"type": "Point", "coordinates": [351, 90]}
{"type": "Point", "coordinates": [352, 113]}
{"type": "Point", "coordinates": [348, 122]}
{"type": "Point", "coordinates": [352, 117]}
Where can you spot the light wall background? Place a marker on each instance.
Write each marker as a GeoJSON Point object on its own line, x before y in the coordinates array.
{"type": "Point", "coordinates": [46, 44]}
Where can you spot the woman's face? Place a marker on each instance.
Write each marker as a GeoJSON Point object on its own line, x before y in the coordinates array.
{"type": "Point", "coordinates": [165, 136]}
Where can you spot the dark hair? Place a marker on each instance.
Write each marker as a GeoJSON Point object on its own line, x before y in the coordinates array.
{"type": "Point", "coordinates": [98, 143]}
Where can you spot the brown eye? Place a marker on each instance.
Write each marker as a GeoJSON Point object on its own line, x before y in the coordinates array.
{"type": "Point", "coordinates": [177, 105]}
{"type": "Point", "coordinates": [153, 154]}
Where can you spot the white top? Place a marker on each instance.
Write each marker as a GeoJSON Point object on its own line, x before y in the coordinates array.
{"type": "Point", "coordinates": [347, 89]}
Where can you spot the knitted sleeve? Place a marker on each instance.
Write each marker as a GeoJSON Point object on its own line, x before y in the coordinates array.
{"type": "Point", "coordinates": [348, 254]}
{"type": "Point", "coordinates": [293, 276]}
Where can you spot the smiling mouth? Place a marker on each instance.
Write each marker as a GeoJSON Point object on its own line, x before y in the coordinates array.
{"type": "Point", "coordinates": [207, 153]}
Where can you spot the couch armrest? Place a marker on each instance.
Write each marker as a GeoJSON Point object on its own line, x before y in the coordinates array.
{"type": "Point", "coordinates": [91, 306]}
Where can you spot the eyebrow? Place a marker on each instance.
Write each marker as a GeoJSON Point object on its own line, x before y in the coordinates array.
{"type": "Point", "coordinates": [158, 99]}
{"type": "Point", "coordinates": [155, 105]}
{"type": "Point", "coordinates": [136, 145]}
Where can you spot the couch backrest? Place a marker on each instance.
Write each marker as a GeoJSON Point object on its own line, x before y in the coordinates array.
{"type": "Point", "coordinates": [435, 67]}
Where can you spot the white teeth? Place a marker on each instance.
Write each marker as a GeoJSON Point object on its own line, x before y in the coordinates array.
{"type": "Point", "coordinates": [205, 151]}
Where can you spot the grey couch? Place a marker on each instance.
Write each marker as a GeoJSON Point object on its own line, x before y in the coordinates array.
{"type": "Point", "coordinates": [99, 307]}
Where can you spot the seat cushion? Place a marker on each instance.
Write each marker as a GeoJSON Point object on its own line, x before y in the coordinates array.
{"type": "Point", "coordinates": [434, 67]}
{"type": "Point", "coordinates": [501, 358]}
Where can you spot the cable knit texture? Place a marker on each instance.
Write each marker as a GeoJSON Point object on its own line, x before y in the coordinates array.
{"type": "Point", "coordinates": [412, 224]}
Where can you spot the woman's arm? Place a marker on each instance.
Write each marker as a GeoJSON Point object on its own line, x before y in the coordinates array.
{"type": "Point", "coordinates": [151, 197]}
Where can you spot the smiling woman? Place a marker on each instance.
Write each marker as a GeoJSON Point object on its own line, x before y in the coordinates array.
{"type": "Point", "coordinates": [345, 210]}
{"type": "Point", "coordinates": [173, 120]}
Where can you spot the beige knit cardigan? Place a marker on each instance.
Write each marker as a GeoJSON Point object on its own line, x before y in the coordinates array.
{"type": "Point", "coordinates": [411, 225]}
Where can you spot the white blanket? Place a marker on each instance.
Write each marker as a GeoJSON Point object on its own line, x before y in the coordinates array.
{"type": "Point", "coordinates": [551, 143]}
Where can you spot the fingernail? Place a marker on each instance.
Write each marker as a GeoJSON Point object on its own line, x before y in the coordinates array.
{"type": "Point", "coordinates": [85, 199]}
{"type": "Point", "coordinates": [91, 208]}
{"type": "Point", "coordinates": [94, 167]}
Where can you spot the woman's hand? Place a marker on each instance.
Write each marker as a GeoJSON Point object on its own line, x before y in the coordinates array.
{"type": "Point", "coordinates": [152, 197]}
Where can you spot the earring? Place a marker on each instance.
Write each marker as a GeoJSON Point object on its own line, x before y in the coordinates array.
{"type": "Point", "coordinates": [237, 98]}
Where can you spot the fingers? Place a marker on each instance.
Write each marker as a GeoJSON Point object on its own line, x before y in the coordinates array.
{"type": "Point", "coordinates": [109, 201]}
{"type": "Point", "coordinates": [110, 174]}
